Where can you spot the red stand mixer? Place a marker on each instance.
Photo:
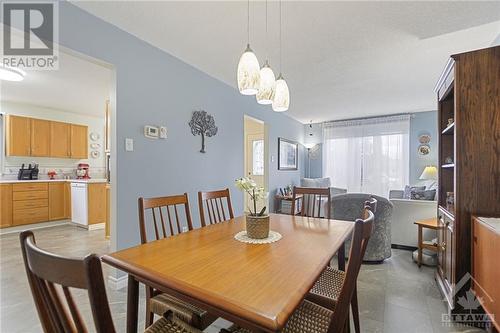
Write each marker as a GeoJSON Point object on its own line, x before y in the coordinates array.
{"type": "Point", "coordinates": [82, 171]}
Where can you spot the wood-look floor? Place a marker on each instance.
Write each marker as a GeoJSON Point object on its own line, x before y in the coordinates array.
{"type": "Point", "coordinates": [393, 297]}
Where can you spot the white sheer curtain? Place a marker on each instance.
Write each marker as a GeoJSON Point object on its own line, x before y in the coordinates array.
{"type": "Point", "coordinates": [368, 155]}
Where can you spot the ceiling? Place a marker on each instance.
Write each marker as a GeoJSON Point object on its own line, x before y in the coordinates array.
{"type": "Point", "coordinates": [78, 86]}
{"type": "Point", "coordinates": [341, 59]}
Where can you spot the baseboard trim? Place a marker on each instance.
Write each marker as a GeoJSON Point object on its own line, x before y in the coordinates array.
{"type": "Point", "coordinates": [403, 247]}
{"type": "Point", "coordinates": [117, 283]}
{"type": "Point", "coordinates": [96, 226]}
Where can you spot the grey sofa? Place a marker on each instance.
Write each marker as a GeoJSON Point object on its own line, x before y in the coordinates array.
{"type": "Point", "coordinates": [349, 207]}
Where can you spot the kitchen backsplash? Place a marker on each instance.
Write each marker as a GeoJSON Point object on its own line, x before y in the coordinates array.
{"type": "Point", "coordinates": [10, 173]}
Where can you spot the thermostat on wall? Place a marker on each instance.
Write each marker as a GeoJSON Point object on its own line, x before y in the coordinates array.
{"type": "Point", "coordinates": [151, 132]}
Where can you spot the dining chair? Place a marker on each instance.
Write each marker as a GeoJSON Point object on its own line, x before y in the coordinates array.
{"type": "Point", "coordinates": [51, 276]}
{"type": "Point", "coordinates": [166, 221]}
{"type": "Point", "coordinates": [326, 290]}
{"type": "Point", "coordinates": [310, 317]}
{"type": "Point", "coordinates": [215, 204]}
{"type": "Point", "coordinates": [311, 198]}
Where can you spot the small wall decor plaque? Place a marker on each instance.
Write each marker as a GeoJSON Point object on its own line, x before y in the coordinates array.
{"type": "Point", "coordinates": [203, 124]}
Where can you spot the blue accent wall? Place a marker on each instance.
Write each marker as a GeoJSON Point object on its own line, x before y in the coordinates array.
{"type": "Point", "coordinates": [154, 87]}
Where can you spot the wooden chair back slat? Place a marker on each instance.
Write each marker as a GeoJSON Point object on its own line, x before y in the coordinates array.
{"type": "Point", "coordinates": [179, 230]}
{"type": "Point", "coordinates": [222, 209]}
{"type": "Point", "coordinates": [363, 229]}
{"type": "Point", "coordinates": [163, 225]}
{"type": "Point", "coordinates": [77, 319]}
{"type": "Point", "coordinates": [312, 199]}
{"type": "Point", "coordinates": [170, 221]}
{"type": "Point", "coordinates": [215, 206]}
{"type": "Point", "coordinates": [155, 224]}
{"type": "Point", "coordinates": [160, 204]}
{"type": "Point", "coordinates": [49, 274]}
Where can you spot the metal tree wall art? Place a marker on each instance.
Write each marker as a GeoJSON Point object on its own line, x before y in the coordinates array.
{"type": "Point", "coordinates": [203, 124]}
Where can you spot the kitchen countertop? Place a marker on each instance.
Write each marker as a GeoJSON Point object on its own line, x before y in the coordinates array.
{"type": "Point", "coordinates": [493, 222]}
{"type": "Point", "coordinates": [87, 181]}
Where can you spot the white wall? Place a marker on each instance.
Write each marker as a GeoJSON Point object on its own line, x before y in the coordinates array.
{"type": "Point", "coordinates": [61, 165]}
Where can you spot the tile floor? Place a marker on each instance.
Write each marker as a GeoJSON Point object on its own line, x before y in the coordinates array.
{"type": "Point", "coordinates": [394, 297]}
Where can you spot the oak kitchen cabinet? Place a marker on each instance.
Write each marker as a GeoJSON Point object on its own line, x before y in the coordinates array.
{"type": "Point", "coordinates": [60, 139]}
{"type": "Point", "coordinates": [79, 146]}
{"type": "Point", "coordinates": [44, 138]}
{"type": "Point", "coordinates": [30, 203]}
{"type": "Point", "coordinates": [5, 205]}
{"type": "Point", "coordinates": [40, 138]}
{"type": "Point", "coordinates": [26, 202]}
{"type": "Point", "coordinates": [57, 204]}
{"type": "Point", "coordinates": [18, 136]}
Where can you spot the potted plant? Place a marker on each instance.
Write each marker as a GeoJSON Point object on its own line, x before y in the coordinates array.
{"type": "Point", "coordinates": [257, 222]}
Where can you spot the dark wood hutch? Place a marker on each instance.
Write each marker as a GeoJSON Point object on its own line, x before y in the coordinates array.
{"type": "Point", "coordinates": [468, 94]}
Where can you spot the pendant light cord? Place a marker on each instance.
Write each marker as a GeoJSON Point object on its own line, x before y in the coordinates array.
{"type": "Point", "coordinates": [248, 22]}
{"type": "Point", "coordinates": [267, 46]}
{"type": "Point", "coordinates": [281, 59]}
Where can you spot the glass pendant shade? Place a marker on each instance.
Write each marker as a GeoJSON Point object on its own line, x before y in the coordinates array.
{"type": "Point", "coordinates": [281, 100]}
{"type": "Point", "coordinates": [267, 84]}
{"type": "Point", "coordinates": [248, 73]}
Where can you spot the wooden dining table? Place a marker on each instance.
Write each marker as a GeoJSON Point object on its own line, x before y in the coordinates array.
{"type": "Point", "coordinates": [257, 286]}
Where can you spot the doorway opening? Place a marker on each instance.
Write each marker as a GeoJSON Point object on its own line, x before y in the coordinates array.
{"type": "Point", "coordinates": [65, 118]}
{"type": "Point", "coordinates": [256, 153]}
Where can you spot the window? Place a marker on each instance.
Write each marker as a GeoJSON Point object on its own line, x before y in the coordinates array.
{"type": "Point", "coordinates": [258, 157]}
{"type": "Point", "coordinates": [368, 156]}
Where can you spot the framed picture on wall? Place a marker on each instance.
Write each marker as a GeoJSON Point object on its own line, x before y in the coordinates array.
{"type": "Point", "coordinates": [288, 154]}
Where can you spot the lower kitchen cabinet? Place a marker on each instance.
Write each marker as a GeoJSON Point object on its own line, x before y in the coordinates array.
{"type": "Point", "coordinates": [57, 207]}
{"type": "Point", "coordinates": [5, 205]}
{"type": "Point", "coordinates": [30, 203]}
{"type": "Point", "coordinates": [33, 202]}
{"type": "Point", "coordinates": [97, 203]}
{"type": "Point", "coordinates": [67, 200]}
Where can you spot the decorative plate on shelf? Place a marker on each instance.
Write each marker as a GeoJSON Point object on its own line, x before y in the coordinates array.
{"type": "Point", "coordinates": [95, 154]}
{"type": "Point", "coordinates": [95, 145]}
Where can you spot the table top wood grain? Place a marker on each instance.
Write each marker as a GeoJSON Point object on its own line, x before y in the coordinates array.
{"type": "Point", "coordinates": [261, 284]}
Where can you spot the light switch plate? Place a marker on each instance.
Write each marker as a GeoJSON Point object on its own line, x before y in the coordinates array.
{"type": "Point", "coordinates": [129, 144]}
{"type": "Point", "coordinates": [163, 132]}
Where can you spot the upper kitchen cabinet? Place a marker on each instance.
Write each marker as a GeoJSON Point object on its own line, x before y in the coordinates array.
{"type": "Point", "coordinates": [40, 138]}
{"type": "Point", "coordinates": [44, 138]}
{"type": "Point", "coordinates": [79, 143]}
{"type": "Point", "coordinates": [60, 139]}
{"type": "Point", "coordinates": [18, 136]}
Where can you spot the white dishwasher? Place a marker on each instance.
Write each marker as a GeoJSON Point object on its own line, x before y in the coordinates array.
{"type": "Point", "coordinates": [79, 204]}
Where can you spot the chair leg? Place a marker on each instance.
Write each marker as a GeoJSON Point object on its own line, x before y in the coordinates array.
{"type": "Point", "coordinates": [355, 310]}
{"type": "Point", "coordinates": [148, 321]}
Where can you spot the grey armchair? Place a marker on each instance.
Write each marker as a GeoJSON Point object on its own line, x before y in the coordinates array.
{"type": "Point", "coordinates": [349, 207]}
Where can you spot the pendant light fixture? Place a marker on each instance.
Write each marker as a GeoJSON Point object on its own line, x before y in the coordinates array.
{"type": "Point", "coordinates": [267, 79]}
{"type": "Point", "coordinates": [248, 68]}
{"type": "Point", "coordinates": [281, 100]}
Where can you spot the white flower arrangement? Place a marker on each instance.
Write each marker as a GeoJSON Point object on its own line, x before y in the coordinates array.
{"type": "Point", "coordinates": [255, 192]}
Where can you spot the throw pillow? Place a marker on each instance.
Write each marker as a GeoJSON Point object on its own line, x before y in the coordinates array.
{"type": "Point", "coordinates": [409, 189]}
{"type": "Point", "coordinates": [422, 195]}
